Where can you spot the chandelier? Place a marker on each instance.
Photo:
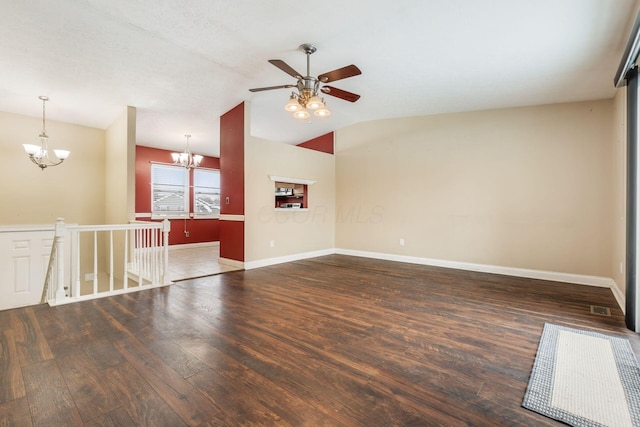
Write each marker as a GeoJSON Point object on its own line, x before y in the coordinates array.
{"type": "Point", "coordinates": [39, 154]}
{"type": "Point", "coordinates": [186, 158]}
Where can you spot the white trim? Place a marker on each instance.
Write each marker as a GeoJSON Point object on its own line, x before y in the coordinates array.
{"type": "Point", "coordinates": [191, 216]}
{"type": "Point", "coordinates": [619, 296]}
{"type": "Point", "coordinates": [205, 216]}
{"type": "Point", "coordinates": [577, 279]}
{"type": "Point", "coordinates": [53, 302]}
{"type": "Point", "coordinates": [287, 258]}
{"type": "Point", "coordinates": [290, 209]}
{"type": "Point", "coordinates": [231, 262]}
{"type": "Point", "coordinates": [194, 245]}
{"type": "Point", "coordinates": [230, 217]}
{"type": "Point", "coordinates": [291, 180]}
{"type": "Point", "coordinates": [183, 215]}
{"type": "Point", "coordinates": [27, 228]}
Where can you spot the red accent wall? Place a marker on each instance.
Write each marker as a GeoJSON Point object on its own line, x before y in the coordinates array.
{"type": "Point", "coordinates": [232, 240]}
{"type": "Point", "coordinates": [232, 161]}
{"type": "Point", "coordinates": [200, 230]}
{"type": "Point", "coordinates": [322, 143]}
{"type": "Point", "coordinates": [232, 182]}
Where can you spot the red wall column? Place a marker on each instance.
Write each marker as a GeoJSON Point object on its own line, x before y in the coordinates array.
{"type": "Point", "coordinates": [232, 184]}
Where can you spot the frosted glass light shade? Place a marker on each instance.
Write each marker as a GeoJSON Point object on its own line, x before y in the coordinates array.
{"type": "Point", "coordinates": [62, 154]}
{"type": "Point", "coordinates": [302, 114]}
{"type": "Point", "coordinates": [197, 159]}
{"type": "Point", "coordinates": [31, 149]}
{"type": "Point", "coordinates": [314, 103]}
{"type": "Point", "coordinates": [322, 112]}
{"type": "Point", "coordinates": [293, 105]}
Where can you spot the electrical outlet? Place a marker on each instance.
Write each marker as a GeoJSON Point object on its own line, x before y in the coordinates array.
{"type": "Point", "coordinates": [272, 243]}
{"type": "Point", "coordinates": [88, 277]}
{"type": "Point", "coordinates": [401, 242]}
{"type": "Point", "coordinates": [186, 234]}
{"type": "Point", "coordinates": [226, 200]}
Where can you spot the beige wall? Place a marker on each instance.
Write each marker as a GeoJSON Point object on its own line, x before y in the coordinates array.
{"type": "Point", "coordinates": [293, 232]}
{"type": "Point", "coordinates": [120, 157]}
{"type": "Point", "coordinates": [74, 190]}
{"type": "Point", "coordinates": [523, 187]}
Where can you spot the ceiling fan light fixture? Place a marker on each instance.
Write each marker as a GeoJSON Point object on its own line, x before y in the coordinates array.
{"type": "Point", "coordinates": [322, 112]}
{"type": "Point", "coordinates": [314, 103]}
{"type": "Point", "coordinates": [302, 114]}
{"type": "Point", "coordinates": [306, 100]}
{"type": "Point", "coordinates": [293, 104]}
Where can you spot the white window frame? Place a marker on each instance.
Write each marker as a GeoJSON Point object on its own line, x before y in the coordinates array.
{"type": "Point", "coordinates": [215, 191]}
{"type": "Point", "coordinates": [171, 214]}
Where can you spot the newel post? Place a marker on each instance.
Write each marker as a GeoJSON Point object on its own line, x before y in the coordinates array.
{"type": "Point", "coordinates": [60, 232]}
{"type": "Point", "coordinates": [166, 227]}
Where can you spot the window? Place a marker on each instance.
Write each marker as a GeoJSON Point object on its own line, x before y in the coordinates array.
{"type": "Point", "coordinates": [206, 193]}
{"type": "Point", "coordinates": [169, 191]}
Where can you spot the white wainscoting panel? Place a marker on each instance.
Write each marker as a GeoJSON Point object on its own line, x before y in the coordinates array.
{"type": "Point", "coordinates": [24, 256]}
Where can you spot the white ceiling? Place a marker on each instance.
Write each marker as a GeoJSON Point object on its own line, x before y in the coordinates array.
{"type": "Point", "coordinates": [183, 63]}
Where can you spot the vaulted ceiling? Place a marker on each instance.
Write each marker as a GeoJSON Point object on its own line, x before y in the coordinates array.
{"type": "Point", "coordinates": [183, 63]}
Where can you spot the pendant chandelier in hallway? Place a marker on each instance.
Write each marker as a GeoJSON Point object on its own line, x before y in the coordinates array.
{"type": "Point", "coordinates": [39, 154]}
{"type": "Point", "coordinates": [186, 158]}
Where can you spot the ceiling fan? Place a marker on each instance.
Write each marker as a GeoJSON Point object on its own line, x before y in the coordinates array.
{"type": "Point", "coordinates": [308, 87]}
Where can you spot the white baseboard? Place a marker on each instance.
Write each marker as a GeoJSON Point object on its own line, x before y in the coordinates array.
{"type": "Point", "coordinates": [619, 296]}
{"type": "Point", "coordinates": [194, 245]}
{"type": "Point", "coordinates": [231, 262]}
{"type": "Point", "coordinates": [287, 258]}
{"type": "Point", "coordinates": [578, 279]}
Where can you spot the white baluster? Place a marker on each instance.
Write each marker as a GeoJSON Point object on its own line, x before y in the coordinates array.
{"type": "Point", "coordinates": [154, 256]}
{"type": "Point", "coordinates": [166, 227]}
{"type": "Point", "coordinates": [141, 257]}
{"type": "Point", "coordinates": [95, 262]}
{"type": "Point", "coordinates": [60, 231]}
{"type": "Point", "coordinates": [110, 260]}
{"type": "Point", "coordinates": [76, 234]}
{"type": "Point", "coordinates": [126, 259]}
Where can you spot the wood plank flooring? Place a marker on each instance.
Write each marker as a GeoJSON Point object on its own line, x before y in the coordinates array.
{"type": "Point", "coordinates": [330, 341]}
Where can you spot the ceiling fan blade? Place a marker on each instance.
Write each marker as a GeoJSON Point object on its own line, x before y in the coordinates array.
{"type": "Point", "coordinates": [286, 68]}
{"type": "Point", "coordinates": [339, 93]}
{"type": "Point", "coordinates": [339, 74]}
{"type": "Point", "coordinates": [260, 89]}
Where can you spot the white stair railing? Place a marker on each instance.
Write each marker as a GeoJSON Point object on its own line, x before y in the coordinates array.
{"type": "Point", "coordinates": [109, 260]}
{"type": "Point", "coordinates": [55, 268]}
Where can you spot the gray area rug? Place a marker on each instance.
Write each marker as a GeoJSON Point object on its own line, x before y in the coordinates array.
{"type": "Point", "coordinates": [584, 378]}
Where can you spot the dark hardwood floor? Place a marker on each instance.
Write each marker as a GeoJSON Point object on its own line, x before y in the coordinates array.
{"type": "Point", "coordinates": [331, 341]}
